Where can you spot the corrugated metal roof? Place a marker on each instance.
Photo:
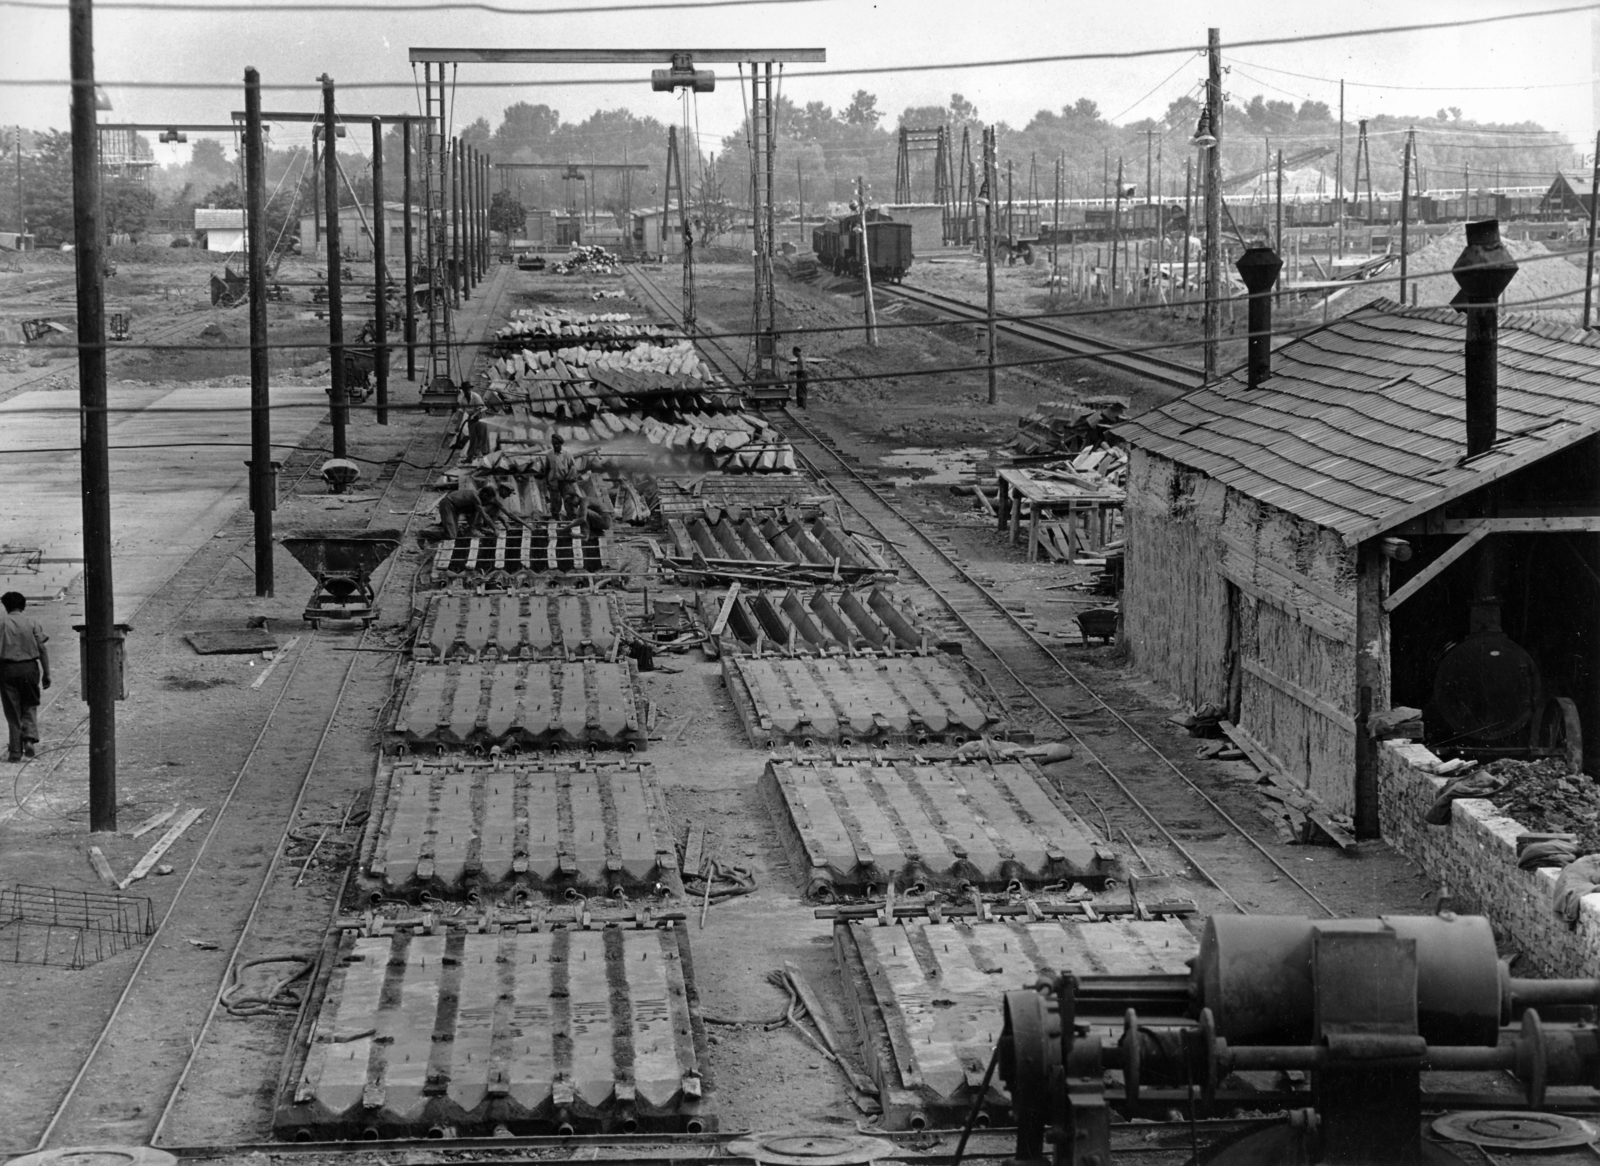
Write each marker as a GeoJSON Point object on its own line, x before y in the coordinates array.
{"type": "Point", "coordinates": [1362, 425]}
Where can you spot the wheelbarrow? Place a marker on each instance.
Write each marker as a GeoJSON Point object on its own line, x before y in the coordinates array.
{"type": "Point", "coordinates": [343, 562]}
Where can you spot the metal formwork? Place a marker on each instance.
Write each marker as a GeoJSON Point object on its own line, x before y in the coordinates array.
{"type": "Point", "coordinates": [516, 557]}
{"type": "Point", "coordinates": [821, 623]}
{"type": "Point", "coordinates": [737, 536]}
{"type": "Point", "coordinates": [518, 625]}
{"type": "Point", "coordinates": [927, 997]}
{"type": "Point", "coordinates": [895, 700]}
{"type": "Point", "coordinates": [941, 826]}
{"type": "Point", "coordinates": [596, 828]}
{"type": "Point", "coordinates": [530, 705]}
{"type": "Point", "coordinates": [457, 1034]}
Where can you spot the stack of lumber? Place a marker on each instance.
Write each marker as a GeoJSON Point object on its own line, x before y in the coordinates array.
{"type": "Point", "coordinates": [1068, 426]}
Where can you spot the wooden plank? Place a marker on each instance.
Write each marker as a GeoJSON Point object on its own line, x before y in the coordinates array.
{"type": "Point", "coordinates": [1529, 525]}
{"type": "Point", "coordinates": [1322, 591]}
{"type": "Point", "coordinates": [1425, 576]}
{"type": "Point", "coordinates": [1294, 692]}
{"type": "Point", "coordinates": [151, 823]}
{"type": "Point", "coordinates": [163, 844]}
{"type": "Point", "coordinates": [97, 859]}
{"type": "Point", "coordinates": [1285, 789]}
{"type": "Point", "coordinates": [1299, 615]}
{"type": "Point", "coordinates": [727, 609]}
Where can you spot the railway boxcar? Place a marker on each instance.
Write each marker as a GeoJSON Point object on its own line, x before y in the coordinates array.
{"type": "Point", "coordinates": [837, 244]}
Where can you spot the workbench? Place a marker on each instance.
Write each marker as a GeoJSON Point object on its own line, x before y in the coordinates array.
{"type": "Point", "coordinates": [1062, 510]}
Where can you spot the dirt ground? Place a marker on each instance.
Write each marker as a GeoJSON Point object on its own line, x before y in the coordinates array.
{"type": "Point", "coordinates": [300, 748]}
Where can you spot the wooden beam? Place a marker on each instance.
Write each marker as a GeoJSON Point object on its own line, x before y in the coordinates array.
{"type": "Point", "coordinates": [163, 844]}
{"type": "Point", "coordinates": [1321, 590]}
{"type": "Point", "coordinates": [1299, 615]}
{"type": "Point", "coordinates": [1547, 523]}
{"type": "Point", "coordinates": [1425, 576]}
{"type": "Point", "coordinates": [1303, 696]}
{"type": "Point", "coordinates": [1371, 682]}
{"type": "Point", "coordinates": [611, 56]}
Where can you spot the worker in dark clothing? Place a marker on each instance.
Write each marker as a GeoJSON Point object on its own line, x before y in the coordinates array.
{"type": "Point", "coordinates": [561, 477]}
{"type": "Point", "coordinates": [477, 507]}
{"type": "Point", "coordinates": [24, 670]}
{"type": "Point", "coordinates": [801, 378]}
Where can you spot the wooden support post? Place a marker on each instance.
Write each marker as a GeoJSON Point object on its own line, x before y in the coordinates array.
{"type": "Point", "coordinates": [380, 277]}
{"type": "Point", "coordinates": [263, 484]}
{"type": "Point", "coordinates": [410, 257]}
{"type": "Point", "coordinates": [1372, 678]}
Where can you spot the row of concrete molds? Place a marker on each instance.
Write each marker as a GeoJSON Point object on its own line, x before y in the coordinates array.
{"type": "Point", "coordinates": [460, 1034]}
{"type": "Point", "coordinates": [596, 828]}
{"type": "Point", "coordinates": [529, 705]}
{"type": "Point", "coordinates": [731, 538]}
{"type": "Point", "coordinates": [518, 625]}
{"type": "Point", "coordinates": [515, 557]}
{"type": "Point", "coordinates": [679, 495]}
{"type": "Point", "coordinates": [940, 825]}
{"type": "Point", "coordinates": [826, 623]}
{"type": "Point", "coordinates": [927, 997]}
{"type": "Point", "coordinates": [896, 700]}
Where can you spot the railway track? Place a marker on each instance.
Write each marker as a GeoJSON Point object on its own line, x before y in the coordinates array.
{"type": "Point", "coordinates": [1142, 776]}
{"type": "Point", "coordinates": [134, 1079]}
{"type": "Point", "coordinates": [1171, 373]}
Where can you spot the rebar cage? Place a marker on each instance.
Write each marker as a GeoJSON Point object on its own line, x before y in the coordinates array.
{"type": "Point", "coordinates": [68, 928]}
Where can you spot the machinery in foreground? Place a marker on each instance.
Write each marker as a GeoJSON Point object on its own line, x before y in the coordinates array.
{"type": "Point", "coordinates": [1343, 1017]}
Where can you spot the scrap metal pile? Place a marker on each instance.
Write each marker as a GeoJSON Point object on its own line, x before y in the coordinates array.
{"type": "Point", "coordinates": [593, 259]}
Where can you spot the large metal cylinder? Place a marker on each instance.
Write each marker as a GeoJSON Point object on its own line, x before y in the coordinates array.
{"type": "Point", "coordinates": [1255, 973]}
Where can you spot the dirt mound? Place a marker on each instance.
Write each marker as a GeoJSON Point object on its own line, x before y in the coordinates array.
{"type": "Point", "coordinates": [1551, 287]}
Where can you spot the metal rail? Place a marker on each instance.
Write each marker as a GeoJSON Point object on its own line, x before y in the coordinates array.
{"type": "Point", "coordinates": [1171, 373]}
{"type": "Point", "coordinates": [1027, 638]}
{"type": "Point", "coordinates": [266, 881]}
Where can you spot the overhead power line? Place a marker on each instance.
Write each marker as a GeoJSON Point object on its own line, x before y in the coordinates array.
{"type": "Point", "coordinates": [1412, 88]}
{"type": "Point", "coordinates": [862, 71]}
{"type": "Point", "coordinates": [396, 9]}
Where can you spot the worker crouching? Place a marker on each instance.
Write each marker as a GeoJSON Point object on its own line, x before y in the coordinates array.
{"type": "Point", "coordinates": [563, 483]}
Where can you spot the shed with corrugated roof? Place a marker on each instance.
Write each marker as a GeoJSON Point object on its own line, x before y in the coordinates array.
{"type": "Point", "coordinates": [1306, 554]}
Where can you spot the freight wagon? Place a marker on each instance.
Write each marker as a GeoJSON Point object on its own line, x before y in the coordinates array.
{"type": "Point", "coordinates": [837, 244]}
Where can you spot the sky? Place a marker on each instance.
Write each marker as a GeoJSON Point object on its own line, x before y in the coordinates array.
{"type": "Point", "coordinates": [1539, 68]}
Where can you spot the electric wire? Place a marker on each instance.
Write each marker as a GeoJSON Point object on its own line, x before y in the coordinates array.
{"type": "Point", "coordinates": [864, 70]}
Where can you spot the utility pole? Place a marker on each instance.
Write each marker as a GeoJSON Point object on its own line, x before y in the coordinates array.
{"type": "Point", "coordinates": [991, 180]}
{"type": "Point", "coordinates": [800, 179]}
{"type": "Point", "coordinates": [22, 214]}
{"type": "Point", "coordinates": [1011, 232]}
{"type": "Point", "coordinates": [340, 410]}
{"type": "Point", "coordinates": [1055, 238]}
{"type": "Point", "coordinates": [409, 254]}
{"type": "Point", "coordinates": [1149, 171]}
{"type": "Point", "coordinates": [1280, 203]}
{"type": "Point", "coordinates": [316, 190]}
{"type": "Point", "coordinates": [1405, 207]}
{"type": "Point", "coordinates": [263, 482]}
{"type": "Point", "coordinates": [1594, 209]}
{"type": "Point", "coordinates": [1188, 227]}
{"type": "Point", "coordinates": [1339, 172]}
{"type": "Point", "coordinates": [1116, 231]}
{"type": "Point", "coordinates": [1211, 316]}
{"type": "Point", "coordinates": [866, 262]}
{"type": "Point", "coordinates": [380, 277]}
{"type": "Point", "coordinates": [101, 637]}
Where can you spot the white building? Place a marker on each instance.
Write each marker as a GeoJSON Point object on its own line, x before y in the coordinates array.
{"type": "Point", "coordinates": [224, 229]}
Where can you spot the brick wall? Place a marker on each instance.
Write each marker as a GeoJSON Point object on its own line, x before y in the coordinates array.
{"type": "Point", "coordinates": [1475, 857]}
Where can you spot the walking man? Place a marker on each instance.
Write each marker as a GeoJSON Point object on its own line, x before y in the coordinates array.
{"type": "Point", "coordinates": [24, 669]}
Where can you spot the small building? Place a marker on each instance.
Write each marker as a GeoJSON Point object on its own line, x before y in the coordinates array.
{"type": "Point", "coordinates": [658, 232]}
{"type": "Point", "coordinates": [355, 233]}
{"type": "Point", "coordinates": [1570, 196]}
{"type": "Point", "coordinates": [1320, 548]}
{"type": "Point", "coordinates": [223, 228]}
{"type": "Point", "coordinates": [16, 241]}
{"type": "Point", "coordinates": [927, 221]}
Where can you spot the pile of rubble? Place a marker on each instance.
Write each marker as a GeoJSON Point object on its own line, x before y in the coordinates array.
{"type": "Point", "coordinates": [1069, 426]}
{"type": "Point", "coordinates": [593, 259]}
{"type": "Point", "coordinates": [546, 328]}
{"type": "Point", "coordinates": [1545, 796]}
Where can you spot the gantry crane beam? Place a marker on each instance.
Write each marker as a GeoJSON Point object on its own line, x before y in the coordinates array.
{"type": "Point", "coordinates": [611, 56]}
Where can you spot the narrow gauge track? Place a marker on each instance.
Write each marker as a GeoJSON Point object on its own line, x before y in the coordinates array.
{"type": "Point", "coordinates": [1034, 668]}
{"type": "Point", "coordinates": [136, 1071]}
{"type": "Point", "coordinates": [1150, 366]}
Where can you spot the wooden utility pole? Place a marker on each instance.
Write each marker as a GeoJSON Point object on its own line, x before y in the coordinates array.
{"type": "Point", "coordinates": [991, 180]}
{"type": "Point", "coordinates": [330, 184]}
{"type": "Point", "coordinates": [263, 487]}
{"type": "Point", "coordinates": [1188, 227]}
{"type": "Point", "coordinates": [410, 258]}
{"type": "Point", "coordinates": [101, 639]}
{"type": "Point", "coordinates": [380, 274]}
{"type": "Point", "coordinates": [1280, 204]}
{"type": "Point", "coordinates": [866, 262]}
{"type": "Point", "coordinates": [1116, 232]}
{"type": "Point", "coordinates": [1405, 208]}
{"type": "Point", "coordinates": [1594, 210]}
{"type": "Point", "coordinates": [1339, 173]}
{"type": "Point", "coordinates": [1211, 316]}
{"type": "Point", "coordinates": [1055, 238]}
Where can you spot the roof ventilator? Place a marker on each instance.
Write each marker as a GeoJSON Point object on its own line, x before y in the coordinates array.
{"type": "Point", "coordinates": [1483, 270]}
{"type": "Point", "coordinates": [1259, 267]}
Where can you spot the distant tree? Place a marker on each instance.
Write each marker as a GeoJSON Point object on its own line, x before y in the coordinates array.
{"type": "Point", "coordinates": [47, 187]}
{"type": "Point", "coordinates": [1314, 111]}
{"type": "Point", "coordinates": [922, 116]}
{"type": "Point", "coordinates": [813, 122]}
{"type": "Point", "coordinates": [1084, 111]}
{"type": "Point", "coordinates": [477, 134]}
{"type": "Point", "coordinates": [862, 110]}
{"type": "Point", "coordinates": [208, 163]}
{"type": "Point", "coordinates": [506, 213]}
{"type": "Point", "coordinates": [228, 196]}
{"type": "Point", "coordinates": [527, 126]}
{"type": "Point", "coordinates": [962, 111]}
{"type": "Point", "coordinates": [126, 205]}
